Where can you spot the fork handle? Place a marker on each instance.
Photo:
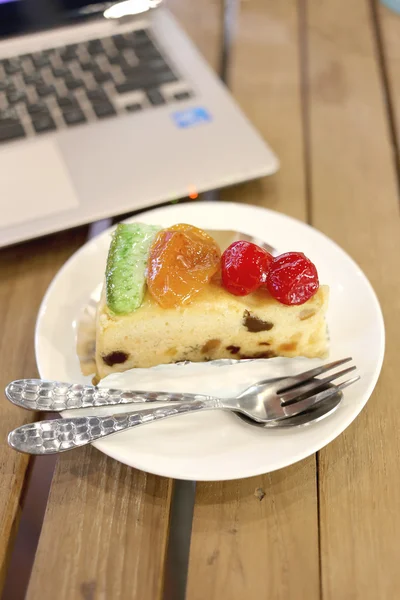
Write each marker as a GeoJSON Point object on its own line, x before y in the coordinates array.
{"type": "Point", "coordinates": [49, 396]}
{"type": "Point", "coordinates": [59, 435]}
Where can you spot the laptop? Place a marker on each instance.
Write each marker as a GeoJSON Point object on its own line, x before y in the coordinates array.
{"type": "Point", "coordinates": [106, 109]}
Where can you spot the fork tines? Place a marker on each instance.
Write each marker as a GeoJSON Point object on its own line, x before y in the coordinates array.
{"type": "Point", "coordinates": [295, 388]}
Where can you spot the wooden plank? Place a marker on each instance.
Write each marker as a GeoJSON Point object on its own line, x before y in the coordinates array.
{"type": "Point", "coordinates": [265, 77]}
{"type": "Point", "coordinates": [25, 273]}
{"type": "Point", "coordinates": [202, 22]}
{"type": "Point", "coordinates": [389, 27]}
{"type": "Point", "coordinates": [246, 544]}
{"type": "Point", "coordinates": [104, 532]}
{"type": "Point", "coordinates": [249, 537]}
{"type": "Point", "coordinates": [355, 202]}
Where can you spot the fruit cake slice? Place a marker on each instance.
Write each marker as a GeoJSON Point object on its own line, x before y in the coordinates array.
{"type": "Point", "coordinates": [169, 296]}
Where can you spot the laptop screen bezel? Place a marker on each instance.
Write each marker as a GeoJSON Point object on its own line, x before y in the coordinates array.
{"type": "Point", "coordinates": [18, 17]}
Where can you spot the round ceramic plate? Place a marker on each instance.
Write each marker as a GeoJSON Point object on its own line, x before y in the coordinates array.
{"type": "Point", "coordinates": [218, 445]}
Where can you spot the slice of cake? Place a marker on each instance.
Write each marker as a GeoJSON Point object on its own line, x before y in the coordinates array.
{"type": "Point", "coordinates": [170, 296]}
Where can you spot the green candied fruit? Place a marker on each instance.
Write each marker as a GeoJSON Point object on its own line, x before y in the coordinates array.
{"type": "Point", "coordinates": [126, 266]}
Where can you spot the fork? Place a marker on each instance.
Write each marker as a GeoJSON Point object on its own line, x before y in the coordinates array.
{"type": "Point", "coordinates": [41, 395]}
{"type": "Point", "coordinates": [263, 402]}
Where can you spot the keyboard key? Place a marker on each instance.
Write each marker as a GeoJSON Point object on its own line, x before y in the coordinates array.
{"type": "Point", "coordinates": [182, 95]}
{"type": "Point", "coordinates": [147, 51]}
{"type": "Point", "coordinates": [68, 53]}
{"type": "Point", "coordinates": [121, 42]}
{"type": "Point", "coordinates": [11, 132]}
{"type": "Point", "coordinates": [166, 77]}
{"type": "Point", "coordinates": [138, 72]}
{"type": "Point", "coordinates": [74, 116]}
{"type": "Point", "coordinates": [95, 47]}
{"type": "Point", "coordinates": [72, 83]}
{"type": "Point", "coordinates": [151, 80]}
{"type": "Point", "coordinates": [130, 85]}
{"type": "Point", "coordinates": [65, 102]}
{"type": "Point", "coordinates": [88, 65]}
{"type": "Point", "coordinates": [43, 122]}
{"type": "Point", "coordinates": [9, 115]}
{"type": "Point", "coordinates": [10, 125]}
{"type": "Point", "coordinates": [45, 90]}
{"type": "Point", "coordinates": [157, 64]}
{"type": "Point", "coordinates": [104, 110]}
{"type": "Point", "coordinates": [60, 71]}
{"type": "Point", "coordinates": [139, 37]}
{"type": "Point", "coordinates": [138, 78]}
{"type": "Point", "coordinates": [142, 78]}
{"type": "Point", "coordinates": [133, 107]}
{"type": "Point", "coordinates": [101, 76]}
{"type": "Point", "coordinates": [155, 97]}
{"type": "Point", "coordinates": [40, 60]}
{"type": "Point", "coordinates": [116, 59]}
{"type": "Point", "coordinates": [36, 108]}
{"type": "Point", "coordinates": [7, 85]}
{"type": "Point", "coordinates": [12, 65]}
{"type": "Point", "coordinates": [97, 96]}
{"type": "Point", "coordinates": [33, 78]}
{"type": "Point", "coordinates": [15, 96]}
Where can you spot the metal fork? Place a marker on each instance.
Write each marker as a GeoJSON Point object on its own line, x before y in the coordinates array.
{"type": "Point", "coordinates": [226, 237]}
{"type": "Point", "coordinates": [40, 395]}
{"type": "Point", "coordinates": [263, 402]}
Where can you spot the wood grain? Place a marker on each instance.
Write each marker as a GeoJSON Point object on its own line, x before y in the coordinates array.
{"type": "Point", "coordinates": [389, 26]}
{"type": "Point", "coordinates": [104, 532]}
{"type": "Point", "coordinates": [202, 22]}
{"type": "Point", "coordinates": [355, 202]}
{"type": "Point", "coordinates": [249, 537]}
{"type": "Point", "coordinates": [25, 273]}
{"type": "Point", "coordinates": [266, 78]}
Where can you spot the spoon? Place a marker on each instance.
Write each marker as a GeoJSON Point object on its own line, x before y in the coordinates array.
{"type": "Point", "coordinates": [319, 412]}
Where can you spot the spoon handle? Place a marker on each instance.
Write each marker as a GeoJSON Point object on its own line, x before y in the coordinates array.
{"type": "Point", "coordinates": [59, 435]}
{"type": "Point", "coordinates": [49, 396]}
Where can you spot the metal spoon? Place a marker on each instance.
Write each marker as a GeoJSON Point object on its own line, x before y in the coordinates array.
{"type": "Point", "coordinates": [317, 413]}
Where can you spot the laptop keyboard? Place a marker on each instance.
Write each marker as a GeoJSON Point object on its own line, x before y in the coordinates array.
{"type": "Point", "coordinates": [70, 85]}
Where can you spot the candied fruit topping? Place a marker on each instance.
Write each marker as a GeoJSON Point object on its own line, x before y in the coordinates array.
{"type": "Point", "coordinates": [292, 278]}
{"type": "Point", "coordinates": [182, 260]}
{"type": "Point", "coordinates": [244, 268]}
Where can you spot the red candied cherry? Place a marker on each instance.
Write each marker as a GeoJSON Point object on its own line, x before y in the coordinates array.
{"type": "Point", "coordinates": [292, 278]}
{"type": "Point", "coordinates": [244, 267]}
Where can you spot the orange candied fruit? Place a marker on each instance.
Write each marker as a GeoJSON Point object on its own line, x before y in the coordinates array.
{"type": "Point", "coordinates": [182, 260]}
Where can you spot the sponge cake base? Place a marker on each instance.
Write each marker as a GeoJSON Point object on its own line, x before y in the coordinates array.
{"type": "Point", "coordinates": [215, 325]}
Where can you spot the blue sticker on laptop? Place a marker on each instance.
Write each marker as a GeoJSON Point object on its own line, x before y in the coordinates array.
{"type": "Point", "coordinates": [191, 116]}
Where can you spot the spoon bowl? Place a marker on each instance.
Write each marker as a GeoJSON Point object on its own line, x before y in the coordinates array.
{"type": "Point", "coordinates": [317, 413]}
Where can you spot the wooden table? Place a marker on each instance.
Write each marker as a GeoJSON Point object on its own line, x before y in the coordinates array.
{"type": "Point", "coordinates": [321, 81]}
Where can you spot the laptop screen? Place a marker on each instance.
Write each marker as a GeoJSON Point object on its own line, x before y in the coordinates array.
{"type": "Point", "coordinates": [22, 16]}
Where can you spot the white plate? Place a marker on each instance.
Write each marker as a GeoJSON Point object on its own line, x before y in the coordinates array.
{"type": "Point", "coordinates": [217, 445]}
